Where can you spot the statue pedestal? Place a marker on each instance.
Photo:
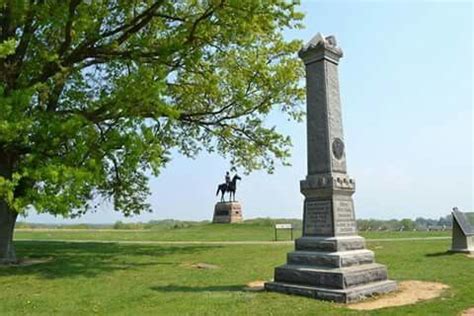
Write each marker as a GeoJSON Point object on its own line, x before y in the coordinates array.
{"type": "Point", "coordinates": [227, 212]}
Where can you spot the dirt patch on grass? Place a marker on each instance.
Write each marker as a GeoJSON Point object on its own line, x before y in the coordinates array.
{"type": "Point", "coordinates": [200, 266]}
{"type": "Point", "coordinates": [26, 262]}
{"type": "Point", "coordinates": [468, 312]}
{"type": "Point", "coordinates": [409, 292]}
{"type": "Point", "coordinates": [255, 286]}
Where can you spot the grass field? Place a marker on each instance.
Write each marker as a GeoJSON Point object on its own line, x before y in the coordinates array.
{"type": "Point", "coordinates": [150, 279]}
{"type": "Point", "coordinates": [206, 232]}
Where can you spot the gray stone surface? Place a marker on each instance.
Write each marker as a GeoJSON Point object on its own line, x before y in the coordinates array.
{"type": "Point", "coordinates": [463, 232]}
{"type": "Point", "coordinates": [336, 278]}
{"type": "Point", "coordinates": [330, 244]}
{"type": "Point", "coordinates": [464, 221]}
{"type": "Point", "coordinates": [330, 261]}
{"type": "Point", "coordinates": [227, 212]}
{"type": "Point", "coordinates": [348, 295]}
{"type": "Point", "coordinates": [470, 218]}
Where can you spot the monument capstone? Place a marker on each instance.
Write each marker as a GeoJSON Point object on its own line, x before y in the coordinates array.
{"type": "Point", "coordinates": [463, 232]}
{"type": "Point", "coordinates": [330, 261]}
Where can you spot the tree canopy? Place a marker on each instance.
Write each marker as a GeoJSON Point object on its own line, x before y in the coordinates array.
{"type": "Point", "coordinates": [95, 94]}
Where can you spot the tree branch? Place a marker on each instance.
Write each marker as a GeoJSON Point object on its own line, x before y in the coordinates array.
{"type": "Point", "coordinates": [55, 95]}
{"type": "Point", "coordinates": [189, 117]}
{"type": "Point", "coordinates": [87, 50]}
{"type": "Point", "coordinates": [68, 28]}
{"type": "Point", "coordinates": [28, 30]}
{"type": "Point", "coordinates": [135, 21]}
{"type": "Point", "coordinates": [207, 13]}
{"type": "Point", "coordinates": [5, 19]}
{"type": "Point", "coordinates": [169, 17]}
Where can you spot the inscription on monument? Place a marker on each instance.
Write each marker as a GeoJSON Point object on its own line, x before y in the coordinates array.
{"type": "Point", "coordinates": [318, 218]}
{"type": "Point", "coordinates": [222, 213]}
{"type": "Point", "coordinates": [344, 217]}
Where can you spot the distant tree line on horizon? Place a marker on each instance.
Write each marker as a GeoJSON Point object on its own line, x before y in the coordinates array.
{"type": "Point", "coordinates": [406, 224]}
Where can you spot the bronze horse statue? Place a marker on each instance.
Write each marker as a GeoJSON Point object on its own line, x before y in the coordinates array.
{"type": "Point", "coordinates": [231, 188]}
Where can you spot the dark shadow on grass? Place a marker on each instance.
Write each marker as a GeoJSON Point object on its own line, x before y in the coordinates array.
{"type": "Point", "coordinates": [70, 259]}
{"type": "Point", "coordinates": [214, 288]}
{"type": "Point", "coordinates": [441, 254]}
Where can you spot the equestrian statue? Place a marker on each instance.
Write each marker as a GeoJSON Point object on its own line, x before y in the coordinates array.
{"type": "Point", "coordinates": [230, 186]}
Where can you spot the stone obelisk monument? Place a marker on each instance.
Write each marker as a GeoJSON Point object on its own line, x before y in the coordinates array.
{"type": "Point", "coordinates": [330, 261]}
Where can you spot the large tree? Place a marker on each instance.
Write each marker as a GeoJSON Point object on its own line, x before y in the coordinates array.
{"type": "Point", "coordinates": [95, 93]}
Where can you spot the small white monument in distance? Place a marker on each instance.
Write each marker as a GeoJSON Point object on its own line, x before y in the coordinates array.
{"type": "Point", "coordinates": [463, 232]}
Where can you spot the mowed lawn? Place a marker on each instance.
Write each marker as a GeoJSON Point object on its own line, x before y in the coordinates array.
{"type": "Point", "coordinates": [144, 279]}
{"type": "Point", "coordinates": [206, 232]}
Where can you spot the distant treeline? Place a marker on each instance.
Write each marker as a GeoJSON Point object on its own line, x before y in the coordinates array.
{"type": "Point", "coordinates": [25, 225]}
{"type": "Point", "coordinates": [405, 224]}
{"type": "Point", "coordinates": [419, 223]}
{"type": "Point", "coordinates": [159, 224]}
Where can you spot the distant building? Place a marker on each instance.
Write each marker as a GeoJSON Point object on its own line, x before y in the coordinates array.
{"type": "Point", "coordinates": [437, 228]}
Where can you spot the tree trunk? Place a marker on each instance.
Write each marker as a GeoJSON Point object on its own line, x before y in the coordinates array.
{"type": "Point", "coordinates": [7, 225]}
{"type": "Point", "coordinates": [7, 215]}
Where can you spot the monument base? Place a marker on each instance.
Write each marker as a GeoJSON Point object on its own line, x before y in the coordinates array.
{"type": "Point", "coordinates": [337, 269]}
{"type": "Point", "coordinates": [335, 295]}
{"type": "Point", "coordinates": [227, 212]}
{"type": "Point", "coordinates": [466, 251]}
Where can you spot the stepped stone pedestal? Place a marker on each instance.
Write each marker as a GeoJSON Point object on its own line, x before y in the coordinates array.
{"type": "Point", "coordinates": [330, 261]}
{"type": "Point", "coordinates": [227, 212]}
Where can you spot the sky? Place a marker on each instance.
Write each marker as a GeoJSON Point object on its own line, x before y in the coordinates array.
{"type": "Point", "coordinates": [406, 92]}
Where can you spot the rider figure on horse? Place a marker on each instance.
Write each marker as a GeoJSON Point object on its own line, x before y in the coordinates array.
{"type": "Point", "coordinates": [227, 179]}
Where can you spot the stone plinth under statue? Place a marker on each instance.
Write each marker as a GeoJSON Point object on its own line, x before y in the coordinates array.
{"type": "Point", "coordinates": [330, 261]}
{"type": "Point", "coordinates": [463, 232]}
{"type": "Point", "coordinates": [227, 212]}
